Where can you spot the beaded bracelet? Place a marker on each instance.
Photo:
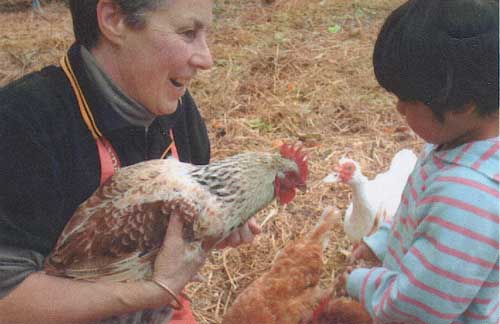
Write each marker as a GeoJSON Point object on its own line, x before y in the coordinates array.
{"type": "Point", "coordinates": [165, 287]}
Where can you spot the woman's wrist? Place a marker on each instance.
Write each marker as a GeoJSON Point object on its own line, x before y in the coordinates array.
{"type": "Point", "coordinates": [176, 303]}
{"type": "Point", "coordinates": [139, 295]}
{"type": "Point", "coordinates": [163, 292]}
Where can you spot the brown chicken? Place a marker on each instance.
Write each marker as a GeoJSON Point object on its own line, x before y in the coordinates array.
{"type": "Point", "coordinates": [333, 310]}
{"type": "Point", "coordinates": [289, 291]}
{"type": "Point", "coordinates": [116, 234]}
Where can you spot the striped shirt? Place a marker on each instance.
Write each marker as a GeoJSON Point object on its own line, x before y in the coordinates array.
{"type": "Point", "coordinates": [440, 255]}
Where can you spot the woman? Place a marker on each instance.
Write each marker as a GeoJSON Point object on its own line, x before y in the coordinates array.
{"type": "Point", "coordinates": [118, 98]}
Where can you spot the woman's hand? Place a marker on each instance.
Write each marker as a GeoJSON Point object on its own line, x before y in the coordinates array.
{"type": "Point", "coordinates": [178, 261]}
{"type": "Point", "coordinates": [245, 234]}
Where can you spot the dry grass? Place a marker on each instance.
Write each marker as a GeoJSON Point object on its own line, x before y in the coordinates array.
{"type": "Point", "coordinates": [296, 70]}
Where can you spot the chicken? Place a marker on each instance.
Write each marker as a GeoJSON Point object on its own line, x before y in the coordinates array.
{"type": "Point", "coordinates": [380, 196]}
{"type": "Point", "coordinates": [289, 291]}
{"type": "Point", "coordinates": [333, 310]}
{"type": "Point", "coordinates": [116, 233]}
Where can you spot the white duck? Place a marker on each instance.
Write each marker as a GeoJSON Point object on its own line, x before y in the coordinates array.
{"type": "Point", "coordinates": [372, 199]}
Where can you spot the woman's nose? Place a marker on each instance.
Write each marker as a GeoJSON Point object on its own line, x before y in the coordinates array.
{"type": "Point", "coordinates": [202, 58]}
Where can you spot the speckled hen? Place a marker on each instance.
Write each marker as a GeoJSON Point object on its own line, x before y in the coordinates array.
{"type": "Point", "coordinates": [115, 235]}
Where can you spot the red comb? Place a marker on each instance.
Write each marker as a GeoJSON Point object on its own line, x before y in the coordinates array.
{"type": "Point", "coordinates": [295, 153]}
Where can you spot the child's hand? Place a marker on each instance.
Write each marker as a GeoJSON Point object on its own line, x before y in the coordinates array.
{"type": "Point", "coordinates": [340, 283]}
{"type": "Point", "coordinates": [361, 255]}
{"type": "Point", "coordinates": [361, 251]}
{"type": "Point", "coordinates": [243, 235]}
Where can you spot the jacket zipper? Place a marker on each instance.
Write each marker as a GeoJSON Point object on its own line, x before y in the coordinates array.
{"type": "Point", "coordinates": [146, 151]}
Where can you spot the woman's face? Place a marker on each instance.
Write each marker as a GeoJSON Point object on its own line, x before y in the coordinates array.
{"type": "Point", "coordinates": [155, 64]}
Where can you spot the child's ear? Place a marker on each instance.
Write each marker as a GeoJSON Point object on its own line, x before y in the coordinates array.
{"type": "Point", "coordinates": [466, 110]}
{"type": "Point", "coordinates": [463, 114]}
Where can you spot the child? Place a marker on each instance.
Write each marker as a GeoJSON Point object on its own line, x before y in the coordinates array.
{"type": "Point", "coordinates": [440, 256]}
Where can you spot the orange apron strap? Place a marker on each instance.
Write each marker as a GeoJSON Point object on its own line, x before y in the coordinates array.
{"type": "Point", "coordinates": [108, 158]}
{"type": "Point", "coordinates": [171, 148]}
{"type": "Point", "coordinates": [82, 102]}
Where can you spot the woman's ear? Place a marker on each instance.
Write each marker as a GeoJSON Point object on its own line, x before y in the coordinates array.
{"type": "Point", "coordinates": [111, 22]}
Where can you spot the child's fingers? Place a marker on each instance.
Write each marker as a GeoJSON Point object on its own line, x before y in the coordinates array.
{"type": "Point", "coordinates": [243, 235]}
{"type": "Point", "coordinates": [357, 253]}
{"type": "Point", "coordinates": [246, 234]}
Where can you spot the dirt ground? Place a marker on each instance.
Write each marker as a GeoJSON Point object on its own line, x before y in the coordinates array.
{"type": "Point", "coordinates": [285, 71]}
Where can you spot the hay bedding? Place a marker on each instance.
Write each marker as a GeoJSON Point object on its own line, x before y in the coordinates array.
{"type": "Point", "coordinates": [285, 71]}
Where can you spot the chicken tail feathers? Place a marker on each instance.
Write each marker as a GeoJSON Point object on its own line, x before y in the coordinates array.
{"type": "Point", "coordinates": [328, 219]}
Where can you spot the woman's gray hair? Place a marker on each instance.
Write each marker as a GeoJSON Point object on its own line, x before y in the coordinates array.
{"type": "Point", "coordinates": [84, 16]}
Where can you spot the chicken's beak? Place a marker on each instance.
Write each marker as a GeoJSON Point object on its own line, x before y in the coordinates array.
{"type": "Point", "coordinates": [331, 178]}
{"type": "Point", "coordinates": [302, 187]}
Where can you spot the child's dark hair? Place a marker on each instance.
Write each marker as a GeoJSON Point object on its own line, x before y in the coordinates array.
{"type": "Point", "coordinates": [443, 53]}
